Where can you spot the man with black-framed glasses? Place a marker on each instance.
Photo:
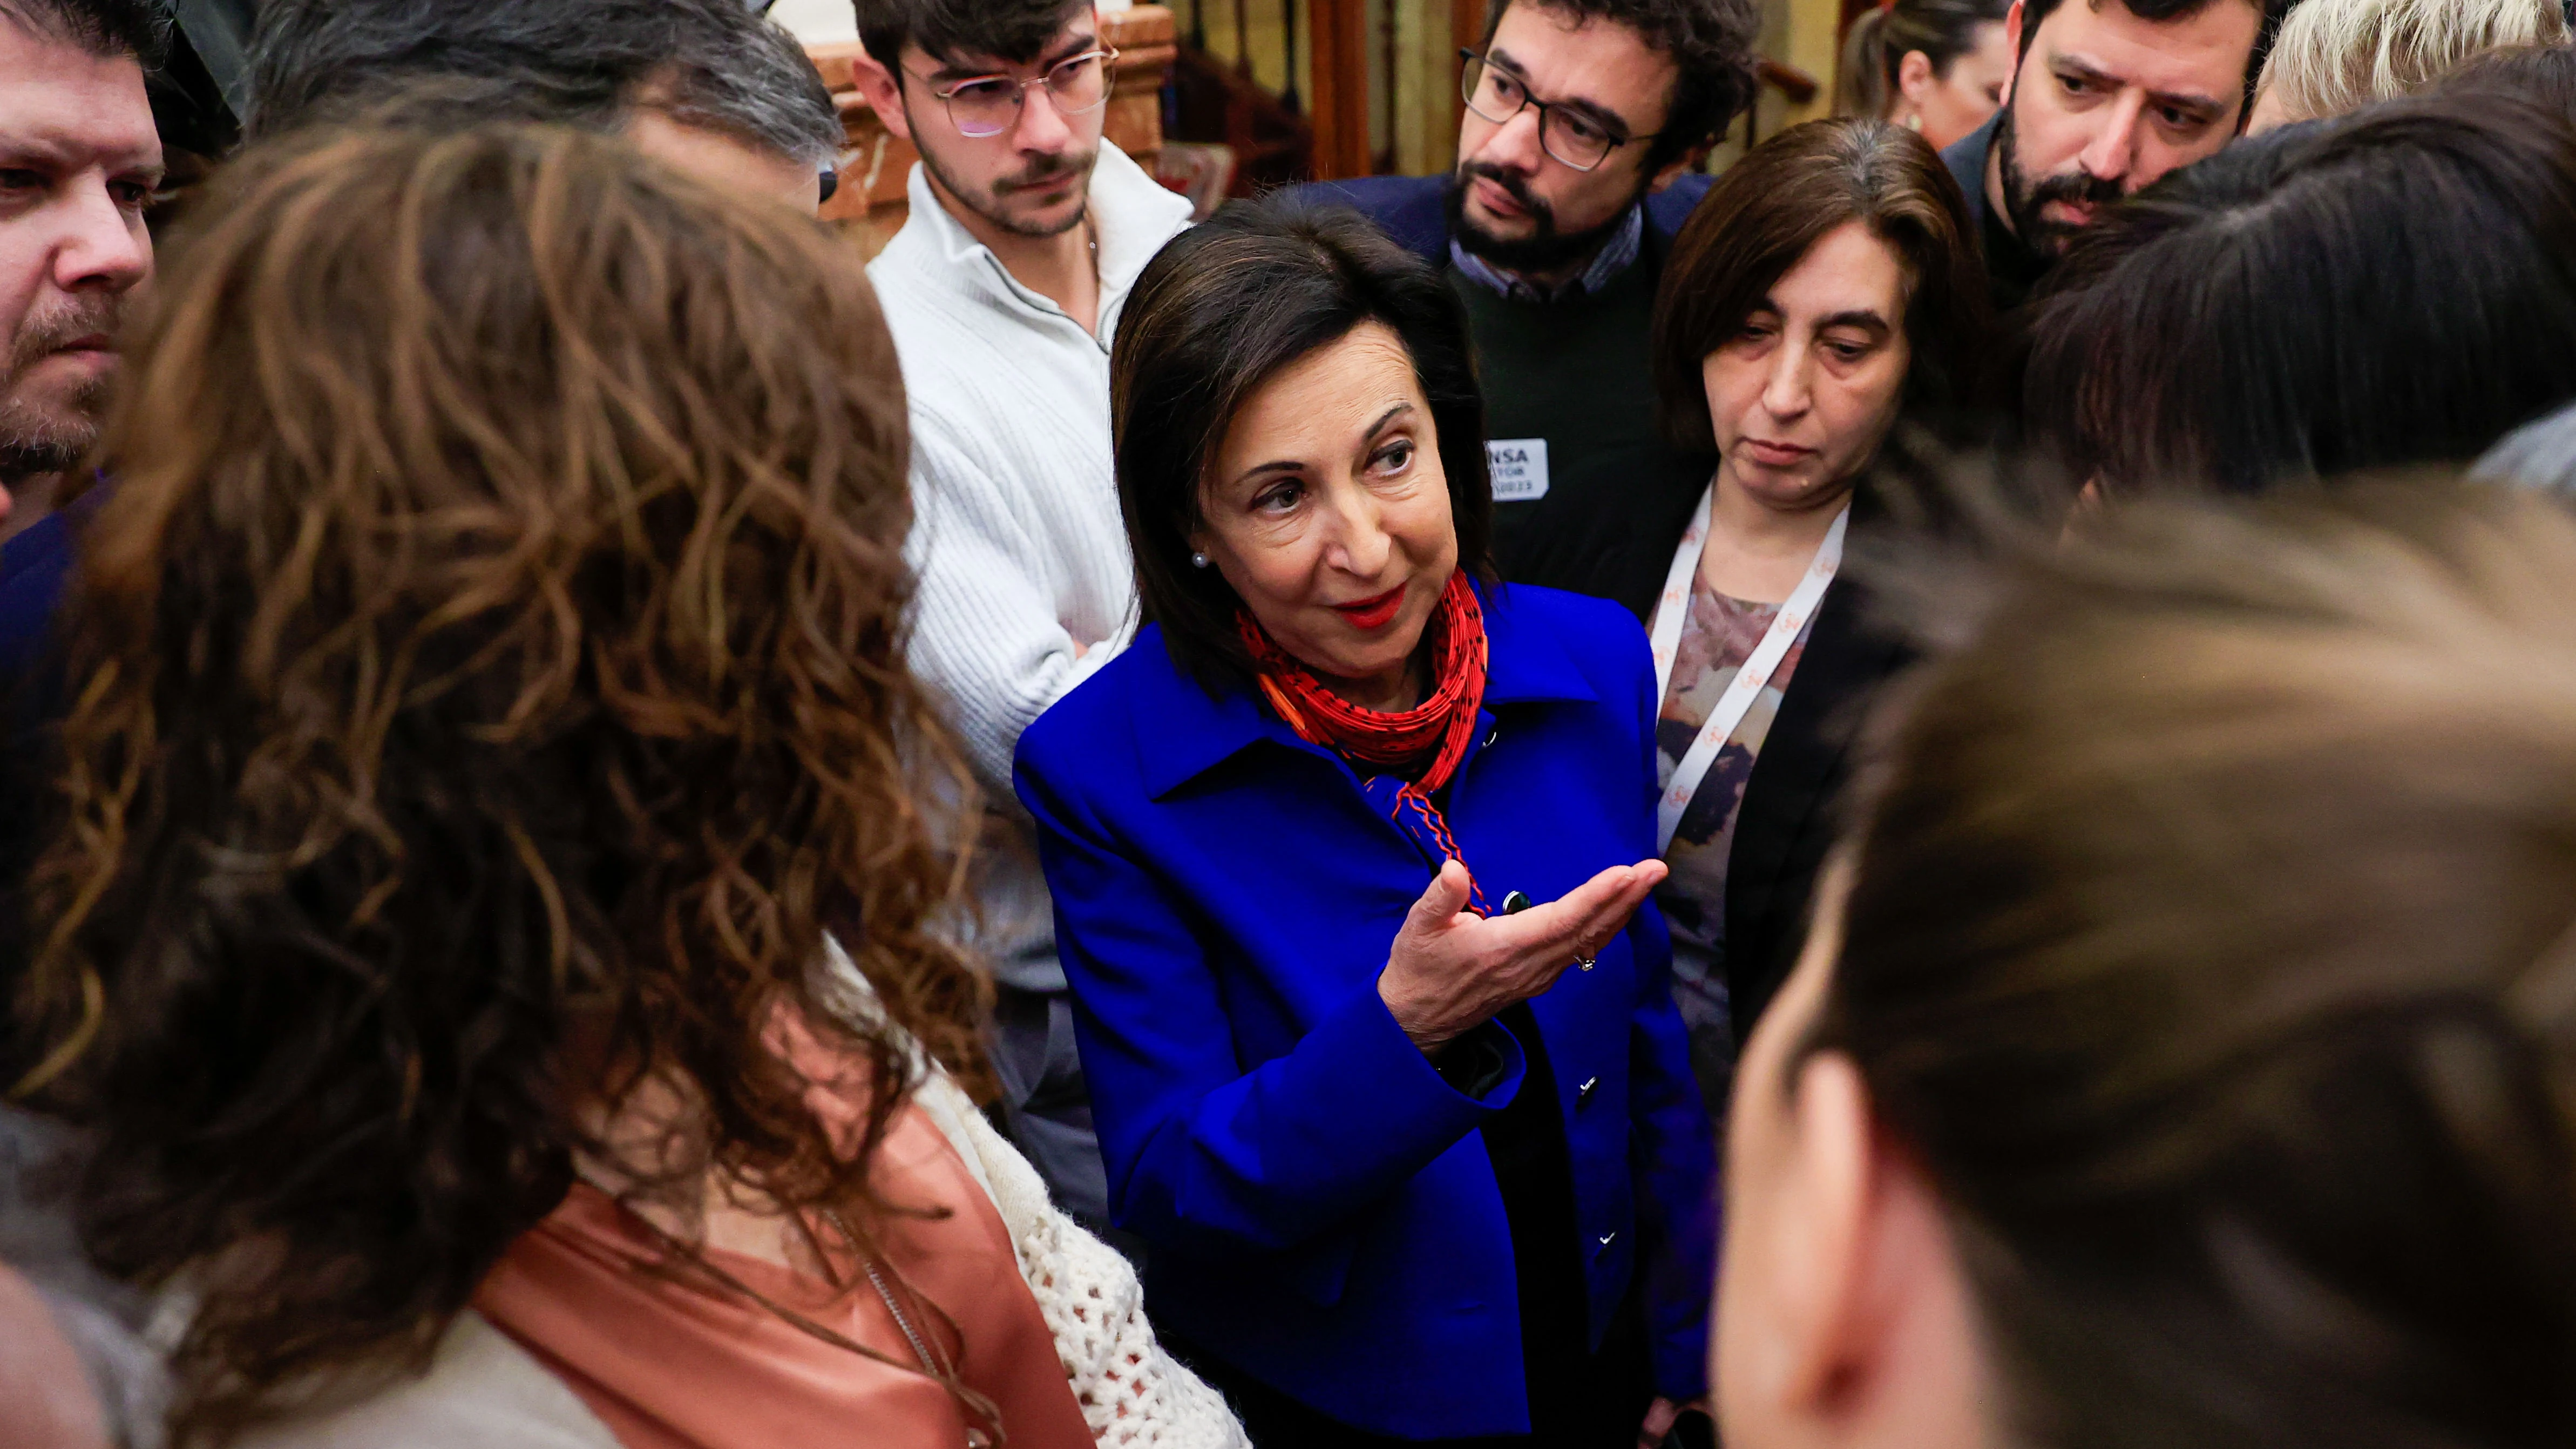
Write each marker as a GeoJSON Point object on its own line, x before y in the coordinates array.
{"type": "Point", "coordinates": [1578, 149]}
{"type": "Point", "coordinates": [1002, 291]}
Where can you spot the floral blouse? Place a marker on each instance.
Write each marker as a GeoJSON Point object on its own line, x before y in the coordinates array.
{"type": "Point", "coordinates": [1717, 637]}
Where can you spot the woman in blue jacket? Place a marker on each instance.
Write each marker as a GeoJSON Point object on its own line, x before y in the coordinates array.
{"type": "Point", "coordinates": [1349, 853]}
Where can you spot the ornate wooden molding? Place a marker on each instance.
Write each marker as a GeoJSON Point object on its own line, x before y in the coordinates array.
{"type": "Point", "coordinates": [1340, 113]}
{"type": "Point", "coordinates": [1788, 80]}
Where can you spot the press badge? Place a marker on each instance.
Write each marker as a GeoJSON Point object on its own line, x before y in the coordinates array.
{"type": "Point", "coordinates": [1519, 466]}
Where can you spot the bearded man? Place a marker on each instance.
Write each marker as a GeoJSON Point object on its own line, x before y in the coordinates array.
{"type": "Point", "coordinates": [1578, 156]}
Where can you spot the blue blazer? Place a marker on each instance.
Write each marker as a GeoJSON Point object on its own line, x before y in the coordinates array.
{"type": "Point", "coordinates": [1321, 1209]}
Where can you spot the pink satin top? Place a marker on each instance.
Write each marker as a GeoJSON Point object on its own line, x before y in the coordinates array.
{"type": "Point", "coordinates": [677, 1361]}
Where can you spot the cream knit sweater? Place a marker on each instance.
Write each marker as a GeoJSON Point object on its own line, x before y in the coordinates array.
{"type": "Point", "coordinates": [1025, 584]}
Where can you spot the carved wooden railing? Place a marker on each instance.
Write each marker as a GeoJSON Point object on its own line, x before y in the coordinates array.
{"type": "Point", "coordinates": [1794, 84]}
{"type": "Point", "coordinates": [1215, 103]}
{"type": "Point", "coordinates": [1288, 135]}
{"type": "Point", "coordinates": [1339, 30]}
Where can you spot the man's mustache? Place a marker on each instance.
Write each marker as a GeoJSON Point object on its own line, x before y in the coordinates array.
{"type": "Point", "coordinates": [50, 329]}
{"type": "Point", "coordinates": [1514, 187]}
{"type": "Point", "coordinates": [2081, 188]}
{"type": "Point", "coordinates": [1046, 171]}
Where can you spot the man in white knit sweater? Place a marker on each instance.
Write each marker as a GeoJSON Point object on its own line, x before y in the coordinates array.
{"type": "Point", "coordinates": [1027, 229]}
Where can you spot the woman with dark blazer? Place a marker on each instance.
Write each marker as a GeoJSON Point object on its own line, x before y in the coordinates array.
{"type": "Point", "coordinates": [1826, 288]}
{"type": "Point", "coordinates": [1350, 853]}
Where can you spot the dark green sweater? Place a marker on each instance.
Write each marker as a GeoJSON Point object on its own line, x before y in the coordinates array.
{"type": "Point", "coordinates": [1574, 374]}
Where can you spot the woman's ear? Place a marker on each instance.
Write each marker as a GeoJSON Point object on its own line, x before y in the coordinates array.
{"type": "Point", "coordinates": [1824, 1233]}
{"type": "Point", "coordinates": [1798, 1163]}
{"type": "Point", "coordinates": [1859, 1333]}
{"type": "Point", "coordinates": [1914, 77]}
{"type": "Point", "coordinates": [1914, 1372]}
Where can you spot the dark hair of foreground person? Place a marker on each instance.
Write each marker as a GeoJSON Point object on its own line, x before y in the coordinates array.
{"type": "Point", "coordinates": [2389, 288]}
{"type": "Point", "coordinates": [2544, 75]}
{"type": "Point", "coordinates": [2209, 965]}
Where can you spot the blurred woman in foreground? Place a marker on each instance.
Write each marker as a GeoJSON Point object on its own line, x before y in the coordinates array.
{"type": "Point", "coordinates": [493, 715]}
{"type": "Point", "coordinates": [2186, 1053]}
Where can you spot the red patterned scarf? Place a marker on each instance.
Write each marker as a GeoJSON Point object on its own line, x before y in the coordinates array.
{"type": "Point", "coordinates": [1422, 745]}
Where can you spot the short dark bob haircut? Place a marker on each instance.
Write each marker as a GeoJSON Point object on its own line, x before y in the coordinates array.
{"type": "Point", "coordinates": [2394, 287]}
{"type": "Point", "coordinates": [1218, 313]}
{"type": "Point", "coordinates": [1782, 199]}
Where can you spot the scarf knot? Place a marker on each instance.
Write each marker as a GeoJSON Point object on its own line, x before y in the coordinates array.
{"type": "Point", "coordinates": [1421, 746]}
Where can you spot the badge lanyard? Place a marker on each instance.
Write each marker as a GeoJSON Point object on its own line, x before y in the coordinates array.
{"type": "Point", "coordinates": [1757, 669]}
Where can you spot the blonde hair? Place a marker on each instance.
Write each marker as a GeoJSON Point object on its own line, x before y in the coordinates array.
{"type": "Point", "coordinates": [2334, 56]}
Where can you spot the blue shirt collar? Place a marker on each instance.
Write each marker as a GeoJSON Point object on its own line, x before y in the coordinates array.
{"type": "Point", "coordinates": [1616, 255]}
{"type": "Point", "coordinates": [1183, 730]}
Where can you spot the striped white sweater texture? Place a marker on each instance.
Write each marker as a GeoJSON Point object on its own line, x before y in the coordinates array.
{"type": "Point", "coordinates": [1025, 584]}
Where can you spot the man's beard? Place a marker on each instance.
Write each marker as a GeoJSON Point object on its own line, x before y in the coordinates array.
{"type": "Point", "coordinates": [1046, 169]}
{"type": "Point", "coordinates": [2024, 197]}
{"type": "Point", "coordinates": [36, 441]}
{"type": "Point", "coordinates": [1545, 249]}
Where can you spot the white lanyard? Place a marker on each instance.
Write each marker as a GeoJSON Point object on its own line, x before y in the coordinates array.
{"type": "Point", "coordinates": [1758, 667]}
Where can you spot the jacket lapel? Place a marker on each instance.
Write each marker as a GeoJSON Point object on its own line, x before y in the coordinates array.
{"type": "Point", "coordinates": [1782, 826]}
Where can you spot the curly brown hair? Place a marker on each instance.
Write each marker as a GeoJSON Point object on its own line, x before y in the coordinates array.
{"type": "Point", "coordinates": [491, 692]}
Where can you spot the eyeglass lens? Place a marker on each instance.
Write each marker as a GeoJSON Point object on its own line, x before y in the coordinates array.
{"type": "Point", "coordinates": [1498, 95]}
{"type": "Point", "coordinates": [989, 107]}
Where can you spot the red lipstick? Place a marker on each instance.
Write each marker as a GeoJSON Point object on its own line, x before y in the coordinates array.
{"type": "Point", "coordinates": [1373, 613]}
{"type": "Point", "coordinates": [1776, 455]}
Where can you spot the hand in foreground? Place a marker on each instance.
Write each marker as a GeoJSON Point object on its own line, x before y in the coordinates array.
{"type": "Point", "coordinates": [1449, 971]}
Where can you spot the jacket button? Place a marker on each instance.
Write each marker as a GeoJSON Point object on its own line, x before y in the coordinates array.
{"type": "Point", "coordinates": [1583, 1092]}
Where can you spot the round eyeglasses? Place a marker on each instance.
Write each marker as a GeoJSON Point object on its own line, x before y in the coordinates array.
{"type": "Point", "coordinates": [1574, 137]}
{"type": "Point", "coordinates": [988, 105]}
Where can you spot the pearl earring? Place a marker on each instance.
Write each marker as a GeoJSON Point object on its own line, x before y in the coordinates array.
{"type": "Point", "coordinates": [1198, 560]}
